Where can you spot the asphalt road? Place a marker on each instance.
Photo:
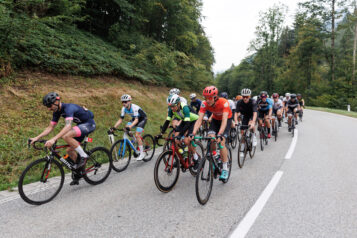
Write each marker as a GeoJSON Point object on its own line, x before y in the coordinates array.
{"type": "Point", "coordinates": [315, 197]}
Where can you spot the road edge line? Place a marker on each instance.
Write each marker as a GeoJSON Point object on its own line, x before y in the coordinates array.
{"type": "Point", "coordinates": [292, 145]}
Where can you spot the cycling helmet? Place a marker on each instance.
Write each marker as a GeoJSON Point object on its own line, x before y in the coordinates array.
{"type": "Point", "coordinates": [293, 96]}
{"type": "Point", "coordinates": [255, 98]}
{"type": "Point", "coordinates": [173, 99]}
{"type": "Point", "coordinates": [50, 98]}
{"type": "Point", "coordinates": [239, 97]}
{"type": "Point", "coordinates": [298, 95]}
{"type": "Point", "coordinates": [263, 94]}
{"type": "Point", "coordinates": [125, 98]}
{"type": "Point", "coordinates": [246, 92]}
{"type": "Point", "coordinates": [175, 91]}
{"type": "Point", "coordinates": [287, 94]}
{"type": "Point", "coordinates": [193, 96]}
{"type": "Point", "coordinates": [275, 95]}
{"type": "Point", "coordinates": [210, 91]}
{"type": "Point", "coordinates": [224, 95]}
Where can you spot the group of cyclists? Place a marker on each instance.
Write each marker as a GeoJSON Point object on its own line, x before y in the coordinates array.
{"type": "Point", "coordinates": [221, 113]}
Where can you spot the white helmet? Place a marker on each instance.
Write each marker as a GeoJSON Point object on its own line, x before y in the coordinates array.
{"type": "Point", "coordinates": [255, 98]}
{"type": "Point", "coordinates": [246, 92]}
{"type": "Point", "coordinates": [287, 94]}
{"type": "Point", "coordinates": [173, 99]}
{"type": "Point", "coordinates": [125, 98]}
{"type": "Point", "coordinates": [175, 91]}
{"type": "Point", "coordinates": [193, 95]}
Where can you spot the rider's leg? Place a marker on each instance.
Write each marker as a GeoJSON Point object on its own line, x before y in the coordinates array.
{"type": "Point", "coordinates": [69, 138]}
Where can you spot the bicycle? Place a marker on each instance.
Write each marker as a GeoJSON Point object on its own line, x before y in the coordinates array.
{"type": "Point", "coordinates": [233, 137]}
{"type": "Point", "coordinates": [121, 149]}
{"type": "Point", "coordinates": [208, 169]}
{"type": "Point", "coordinates": [263, 136]}
{"type": "Point", "coordinates": [247, 140]}
{"type": "Point", "coordinates": [293, 123]}
{"type": "Point", "coordinates": [48, 173]}
{"type": "Point", "coordinates": [301, 112]}
{"type": "Point", "coordinates": [169, 162]}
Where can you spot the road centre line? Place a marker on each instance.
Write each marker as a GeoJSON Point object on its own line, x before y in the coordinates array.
{"type": "Point", "coordinates": [249, 219]}
{"type": "Point", "coordinates": [292, 145]}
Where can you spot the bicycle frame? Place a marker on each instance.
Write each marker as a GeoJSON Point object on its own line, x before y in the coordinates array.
{"type": "Point", "coordinates": [185, 162]}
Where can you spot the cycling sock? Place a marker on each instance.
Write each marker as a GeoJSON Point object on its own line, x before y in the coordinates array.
{"type": "Point", "coordinates": [225, 166]}
{"type": "Point", "coordinates": [141, 148]}
{"type": "Point", "coordinates": [81, 152]}
{"type": "Point", "coordinates": [195, 156]}
{"type": "Point", "coordinates": [242, 147]}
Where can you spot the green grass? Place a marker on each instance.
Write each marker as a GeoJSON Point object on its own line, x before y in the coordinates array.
{"type": "Point", "coordinates": [337, 111]}
{"type": "Point", "coordinates": [23, 116]}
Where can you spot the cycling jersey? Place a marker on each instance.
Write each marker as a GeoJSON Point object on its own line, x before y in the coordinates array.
{"type": "Point", "coordinates": [184, 113]}
{"type": "Point", "coordinates": [232, 105]}
{"type": "Point", "coordinates": [291, 104]}
{"type": "Point", "coordinates": [265, 106]}
{"type": "Point", "coordinates": [134, 111]}
{"type": "Point", "coordinates": [182, 99]}
{"type": "Point", "coordinates": [246, 109]}
{"type": "Point", "coordinates": [277, 105]}
{"type": "Point", "coordinates": [218, 108]}
{"type": "Point", "coordinates": [73, 112]}
{"type": "Point", "coordinates": [196, 104]}
{"type": "Point", "coordinates": [302, 102]}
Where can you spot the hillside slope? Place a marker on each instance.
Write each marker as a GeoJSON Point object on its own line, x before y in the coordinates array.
{"type": "Point", "coordinates": [23, 116]}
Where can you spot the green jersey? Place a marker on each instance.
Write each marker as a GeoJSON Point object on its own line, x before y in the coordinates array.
{"type": "Point", "coordinates": [184, 113]}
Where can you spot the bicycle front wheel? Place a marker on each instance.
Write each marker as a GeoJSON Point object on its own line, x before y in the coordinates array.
{"type": "Point", "coordinates": [98, 166]}
{"type": "Point", "coordinates": [204, 180]}
{"type": "Point", "coordinates": [241, 159]}
{"type": "Point", "coordinates": [121, 155]}
{"type": "Point", "coordinates": [149, 147]}
{"type": "Point", "coordinates": [166, 171]}
{"type": "Point", "coordinates": [234, 137]}
{"type": "Point", "coordinates": [46, 178]}
{"type": "Point", "coordinates": [200, 153]}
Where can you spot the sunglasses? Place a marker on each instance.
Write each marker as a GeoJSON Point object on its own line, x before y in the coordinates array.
{"type": "Point", "coordinates": [209, 98]}
{"type": "Point", "coordinates": [125, 102]}
{"type": "Point", "coordinates": [245, 97]}
{"type": "Point", "coordinates": [263, 96]}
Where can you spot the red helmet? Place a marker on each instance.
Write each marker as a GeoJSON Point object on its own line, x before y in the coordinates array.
{"type": "Point", "coordinates": [275, 95]}
{"type": "Point", "coordinates": [210, 91]}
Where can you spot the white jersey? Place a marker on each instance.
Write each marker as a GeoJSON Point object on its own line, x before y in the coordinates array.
{"type": "Point", "coordinates": [232, 105]}
{"type": "Point", "coordinates": [277, 105]}
{"type": "Point", "coordinates": [182, 99]}
{"type": "Point", "coordinates": [286, 99]}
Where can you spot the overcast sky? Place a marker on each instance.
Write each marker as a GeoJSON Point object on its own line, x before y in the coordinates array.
{"type": "Point", "coordinates": [230, 26]}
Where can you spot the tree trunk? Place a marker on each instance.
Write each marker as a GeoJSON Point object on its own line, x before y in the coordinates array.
{"type": "Point", "coordinates": [354, 56]}
{"type": "Point", "coordinates": [333, 40]}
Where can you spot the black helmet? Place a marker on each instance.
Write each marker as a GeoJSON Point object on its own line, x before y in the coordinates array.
{"type": "Point", "coordinates": [293, 96]}
{"type": "Point", "coordinates": [50, 98]}
{"type": "Point", "coordinates": [224, 95]}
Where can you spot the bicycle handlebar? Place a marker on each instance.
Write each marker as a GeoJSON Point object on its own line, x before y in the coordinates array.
{"type": "Point", "coordinates": [208, 138]}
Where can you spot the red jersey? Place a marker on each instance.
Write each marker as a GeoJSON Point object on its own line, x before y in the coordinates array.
{"type": "Point", "coordinates": [221, 106]}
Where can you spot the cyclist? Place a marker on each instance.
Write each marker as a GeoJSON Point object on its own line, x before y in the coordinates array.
{"type": "Point", "coordinates": [292, 106]}
{"type": "Point", "coordinates": [72, 135]}
{"type": "Point", "coordinates": [139, 120]}
{"type": "Point", "coordinates": [248, 108]}
{"type": "Point", "coordinates": [302, 103]}
{"type": "Point", "coordinates": [195, 102]}
{"type": "Point", "coordinates": [232, 106]}
{"type": "Point", "coordinates": [177, 91]}
{"type": "Point", "coordinates": [221, 119]}
{"type": "Point", "coordinates": [285, 100]}
{"type": "Point", "coordinates": [277, 109]}
{"type": "Point", "coordinates": [182, 111]}
{"type": "Point", "coordinates": [265, 109]}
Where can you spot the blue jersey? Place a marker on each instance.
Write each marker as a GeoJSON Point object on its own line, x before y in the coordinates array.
{"type": "Point", "coordinates": [196, 104]}
{"type": "Point", "coordinates": [73, 112]}
{"type": "Point", "coordinates": [265, 106]}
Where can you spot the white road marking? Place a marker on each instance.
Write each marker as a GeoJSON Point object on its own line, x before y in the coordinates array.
{"type": "Point", "coordinates": [249, 219]}
{"type": "Point", "coordinates": [292, 145]}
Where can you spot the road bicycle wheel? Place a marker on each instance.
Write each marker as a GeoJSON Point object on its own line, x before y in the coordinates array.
{"type": "Point", "coordinates": [233, 134]}
{"type": "Point", "coordinates": [46, 180]}
{"type": "Point", "coordinates": [276, 129]}
{"type": "Point", "coordinates": [204, 180]}
{"type": "Point", "coordinates": [251, 147]}
{"type": "Point", "coordinates": [241, 159]}
{"type": "Point", "coordinates": [229, 154]}
{"type": "Point", "coordinates": [120, 159]}
{"type": "Point", "coordinates": [200, 153]}
{"type": "Point", "coordinates": [261, 139]}
{"type": "Point", "coordinates": [98, 166]}
{"type": "Point", "coordinates": [149, 147]}
{"type": "Point", "coordinates": [167, 145]}
{"type": "Point", "coordinates": [166, 171]}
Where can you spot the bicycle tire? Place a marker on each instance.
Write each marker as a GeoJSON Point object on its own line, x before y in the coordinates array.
{"type": "Point", "coordinates": [26, 195]}
{"type": "Point", "coordinates": [191, 169]}
{"type": "Point", "coordinates": [116, 159]}
{"type": "Point", "coordinates": [241, 160]}
{"type": "Point", "coordinates": [261, 138]}
{"type": "Point", "coordinates": [98, 163]}
{"type": "Point", "coordinates": [233, 139]}
{"type": "Point", "coordinates": [167, 170]}
{"type": "Point", "coordinates": [201, 197]}
{"type": "Point", "coordinates": [149, 147]}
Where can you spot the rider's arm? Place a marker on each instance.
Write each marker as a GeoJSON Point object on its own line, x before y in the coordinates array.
{"type": "Point", "coordinates": [198, 122]}
{"type": "Point", "coordinates": [47, 131]}
{"type": "Point", "coordinates": [168, 120]}
{"type": "Point", "coordinates": [122, 114]}
{"type": "Point", "coordinates": [65, 129]}
{"type": "Point", "coordinates": [136, 120]}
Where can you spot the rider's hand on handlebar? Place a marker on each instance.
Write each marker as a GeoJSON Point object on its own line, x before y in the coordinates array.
{"type": "Point", "coordinates": [50, 142]}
